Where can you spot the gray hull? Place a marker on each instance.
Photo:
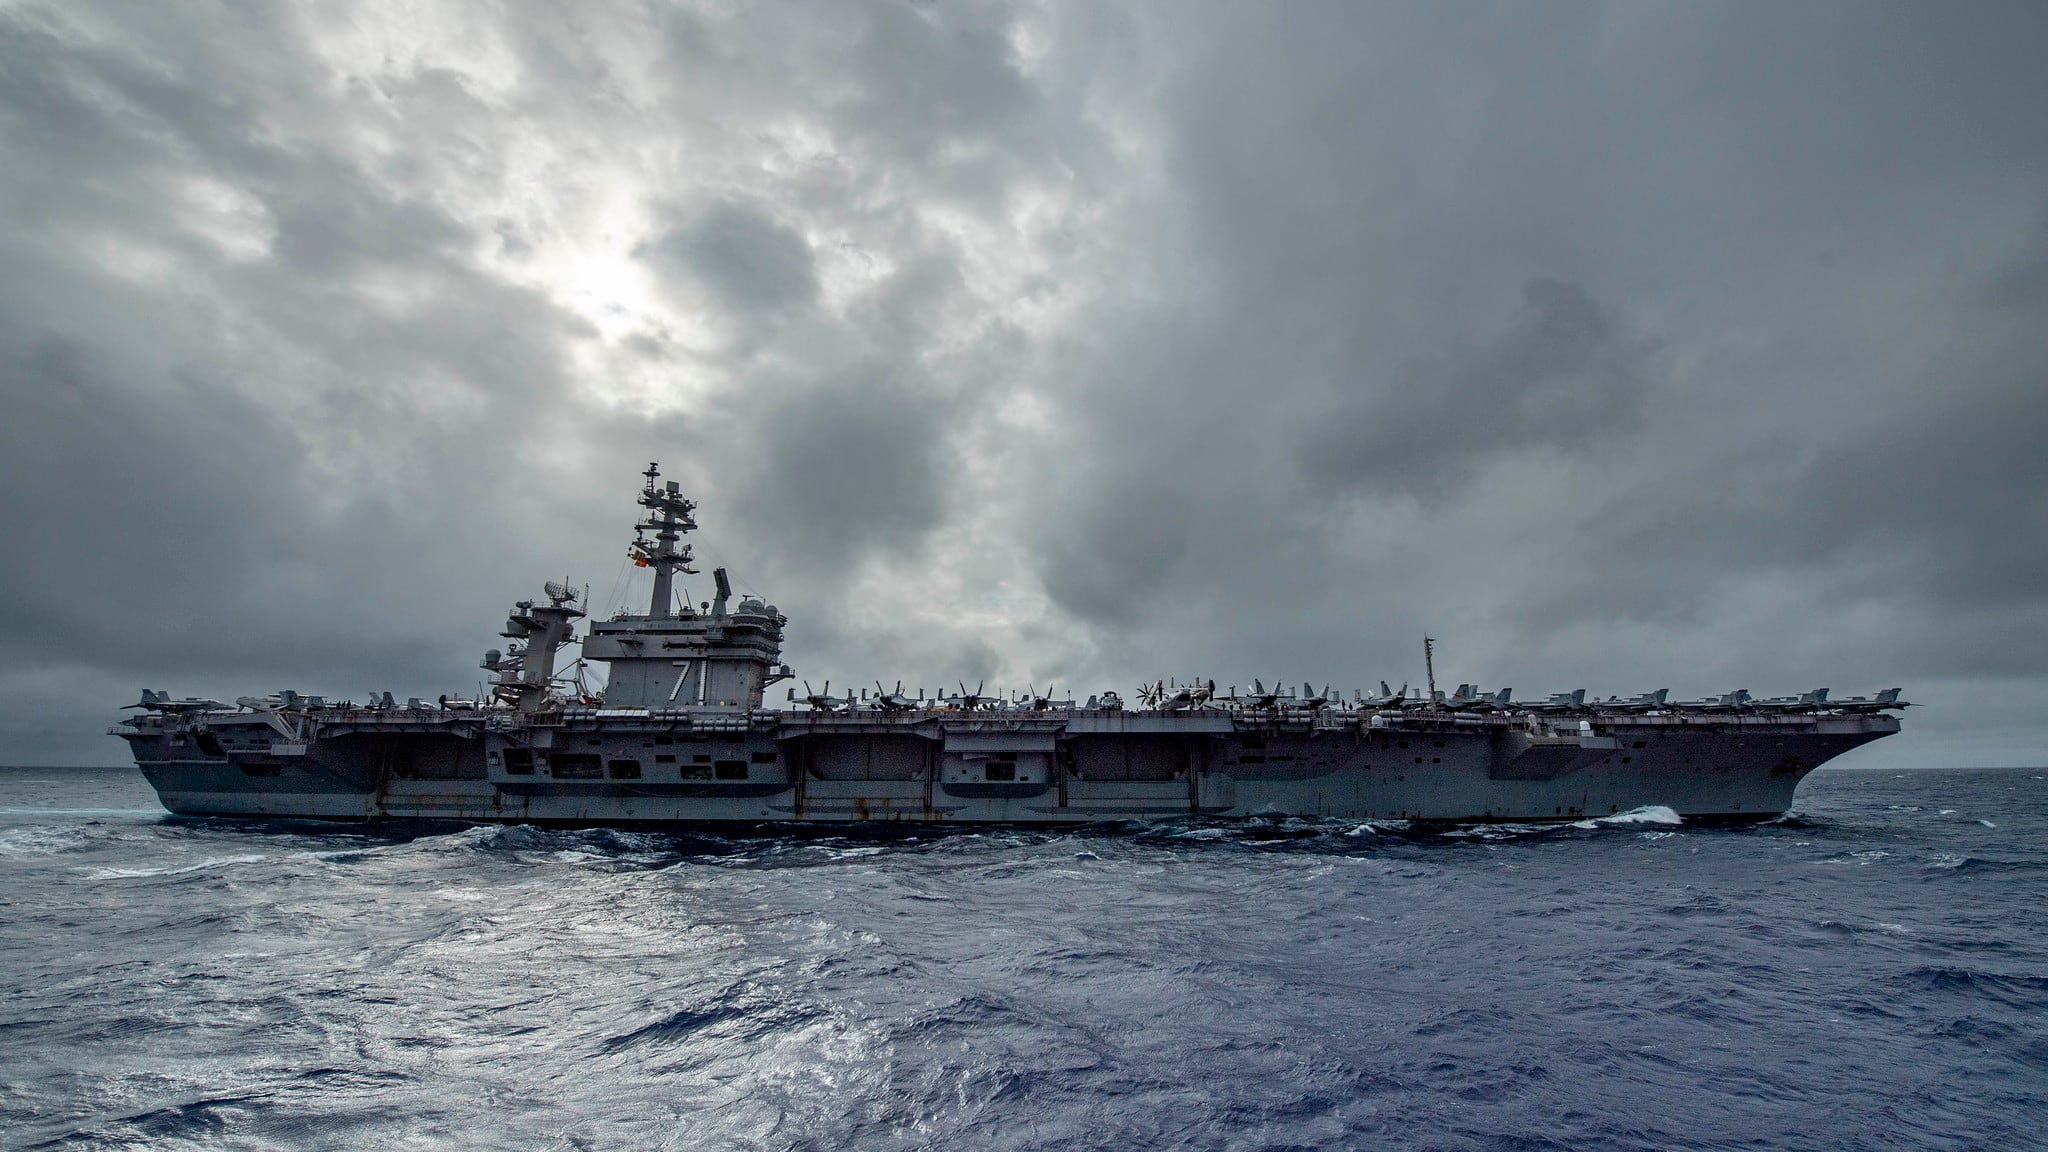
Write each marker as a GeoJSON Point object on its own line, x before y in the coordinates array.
{"type": "Point", "coordinates": [653, 767]}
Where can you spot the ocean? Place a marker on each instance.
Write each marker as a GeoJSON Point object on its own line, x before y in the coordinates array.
{"type": "Point", "coordinates": [1870, 972]}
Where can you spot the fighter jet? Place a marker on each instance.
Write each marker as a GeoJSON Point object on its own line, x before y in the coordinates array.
{"type": "Point", "coordinates": [1387, 698]}
{"type": "Point", "coordinates": [969, 701]}
{"type": "Point", "coordinates": [1805, 702]}
{"type": "Point", "coordinates": [1647, 702]}
{"type": "Point", "coordinates": [821, 701]}
{"type": "Point", "coordinates": [1736, 701]}
{"type": "Point", "coordinates": [893, 701]}
{"type": "Point", "coordinates": [1468, 698]}
{"type": "Point", "coordinates": [1310, 700]}
{"type": "Point", "coordinates": [1260, 698]}
{"type": "Point", "coordinates": [1889, 698]}
{"type": "Point", "coordinates": [160, 701]}
{"type": "Point", "coordinates": [1033, 701]}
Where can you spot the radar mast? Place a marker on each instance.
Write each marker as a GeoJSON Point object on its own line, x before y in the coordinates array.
{"type": "Point", "coordinates": [668, 517]}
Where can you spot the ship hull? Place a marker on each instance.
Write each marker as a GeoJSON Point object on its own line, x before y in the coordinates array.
{"type": "Point", "coordinates": [648, 768]}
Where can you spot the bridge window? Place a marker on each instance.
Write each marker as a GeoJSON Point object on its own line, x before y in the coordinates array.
{"type": "Point", "coordinates": [764, 757]}
{"type": "Point", "coordinates": [625, 769]}
{"type": "Point", "coordinates": [664, 758]}
{"type": "Point", "coordinates": [1000, 772]}
{"type": "Point", "coordinates": [730, 769]}
{"type": "Point", "coordinates": [519, 761]}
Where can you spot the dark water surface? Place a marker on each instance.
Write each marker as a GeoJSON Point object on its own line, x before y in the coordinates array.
{"type": "Point", "coordinates": [1871, 973]}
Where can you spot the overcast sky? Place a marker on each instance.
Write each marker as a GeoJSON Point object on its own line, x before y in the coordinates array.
{"type": "Point", "coordinates": [1625, 346]}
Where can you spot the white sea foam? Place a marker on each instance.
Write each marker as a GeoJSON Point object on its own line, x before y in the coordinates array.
{"type": "Point", "coordinates": [38, 841]}
{"type": "Point", "coordinates": [131, 873]}
{"type": "Point", "coordinates": [1648, 814]}
{"type": "Point", "coordinates": [342, 855]}
{"type": "Point", "coordinates": [1987, 823]}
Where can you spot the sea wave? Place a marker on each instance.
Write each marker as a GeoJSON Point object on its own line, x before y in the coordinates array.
{"type": "Point", "coordinates": [1647, 814]}
{"type": "Point", "coordinates": [40, 840]}
{"type": "Point", "coordinates": [1625, 982]}
{"type": "Point", "coordinates": [206, 865]}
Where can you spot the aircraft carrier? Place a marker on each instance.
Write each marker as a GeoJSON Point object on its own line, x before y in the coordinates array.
{"type": "Point", "coordinates": [679, 734]}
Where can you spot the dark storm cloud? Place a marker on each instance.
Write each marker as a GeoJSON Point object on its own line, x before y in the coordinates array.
{"type": "Point", "coordinates": [1118, 554]}
{"type": "Point", "coordinates": [1563, 376]}
{"type": "Point", "coordinates": [1934, 510]}
{"type": "Point", "coordinates": [849, 467]}
{"type": "Point", "coordinates": [1620, 344]}
{"type": "Point", "coordinates": [1726, 431]}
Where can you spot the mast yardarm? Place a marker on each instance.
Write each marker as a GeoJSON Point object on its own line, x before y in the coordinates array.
{"type": "Point", "coordinates": [668, 517]}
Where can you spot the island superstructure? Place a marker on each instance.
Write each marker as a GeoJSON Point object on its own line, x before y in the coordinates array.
{"type": "Point", "coordinates": [679, 734]}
